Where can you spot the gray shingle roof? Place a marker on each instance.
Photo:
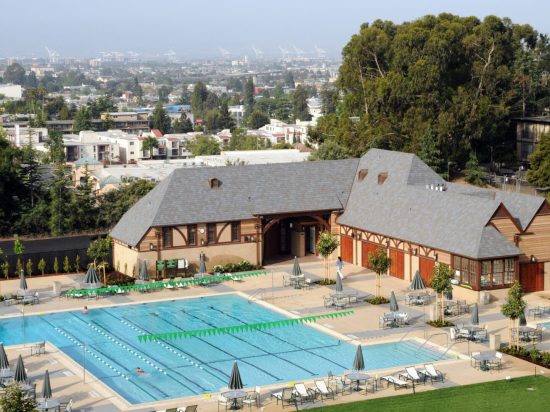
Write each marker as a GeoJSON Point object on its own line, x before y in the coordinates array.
{"type": "Point", "coordinates": [185, 195]}
{"type": "Point", "coordinates": [403, 208]}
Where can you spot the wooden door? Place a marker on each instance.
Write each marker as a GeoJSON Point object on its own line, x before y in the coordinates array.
{"type": "Point", "coordinates": [397, 266]}
{"type": "Point", "coordinates": [426, 269]}
{"type": "Point", "coordinates": [366, 248]}
{"type": "Point", "coordinates": [531, 276]}
{"type": "Point", "coordinates": [346, 248]}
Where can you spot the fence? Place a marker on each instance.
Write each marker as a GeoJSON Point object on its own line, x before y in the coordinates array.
{"type": "Point", "coordinates": [49, 249]}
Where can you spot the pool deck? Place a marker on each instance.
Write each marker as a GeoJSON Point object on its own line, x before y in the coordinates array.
{"type": "Point", "coordinates": [362, 326]}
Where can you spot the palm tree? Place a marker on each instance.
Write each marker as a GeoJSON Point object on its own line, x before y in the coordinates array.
{"type": "Point", "coordinates": [149, 143]}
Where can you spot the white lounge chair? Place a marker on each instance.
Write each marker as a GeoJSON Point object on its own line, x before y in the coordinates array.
{"type": "Point", "coordinates": [286, 395]}
{"type": "Point", "coordinates": [222, 400]}
{"type": "Point", "coordinates": [413, 375]}
{"type": "Point", "coordinates": [432, 373]}
{"type": "Point", "coordinates": [397, 383]}
{"type": "Point", "coordinates": [304, 394]}
{"type": "Point", "coordinates": [322, 389]}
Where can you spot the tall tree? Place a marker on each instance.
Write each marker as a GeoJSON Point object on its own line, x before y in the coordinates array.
{"type": "Point", "coordinates": [257, 119]}
{"type": "Point", "coordinates": [300, 110]}
{"type": "Point", "coordinates": [85, 204]}
{"type": "Point", "coordinates": [226, 121]}
{"type": "Point", "coordinates": [15, 73]}
{"type": "Point", "coordinates": [61, 214]}
{"type": "Point", "coordinates": [82, 120]}
{"type": "Point", "coordinates": [289, 79]}
{"type": "Point", "coordinates": [56, 149]}
{"type": "Point", "coordinates": [329, 100]}
{"type": "Point", "coordinates": [248, 95]}
{"type": "Point", "coordinates": [11, 189]}
{"type": "Point", "coordinates": [465, 77]}
{"type": "Point", "coordinates": [198, 99]}
{"type": "Point", "coordinates": [539, 170]}
{"type": "Point", "coordinates": [429, 152]}
{"type": "Point", "coordinates": [513, 308]}
{"type": "Point", "coordinates": [160, 119]}
{"type": "Point", "coordinates": [183, 124]}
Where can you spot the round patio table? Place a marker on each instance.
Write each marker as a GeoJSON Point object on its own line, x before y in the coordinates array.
{"type": "Point", "coordinates": [234, 396]}
{"type": "Point", "coordinates": [357, 377]}
{"type": "Point", "coordinates": [46, 405]}
{"type": "Point", "coordinates": [483, 358]}
{"type": "Point", "coordinates": [524, 331]}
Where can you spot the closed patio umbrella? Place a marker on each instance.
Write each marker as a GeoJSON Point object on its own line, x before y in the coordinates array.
{"type": "Point", "coordinates": [339, 286]}
{"type": "Point", "coordinates": [4, 363]}
{"type": "Point", "coordinates": [23, 281]}
{"type": "Point", "coordinates": [143, 275]}
{"type": "Point", "coordinates": [46, 387]}
{"type": "Point", "coordinates": [417, 282]}
{"type": "Point", "coordinates": [202, 264]}
{"type": "Point", "coordinates": [475, 315]}
{"type": "Point", "coordinates": [20, 373]}
{"type": "Point", "coordinates": [296, 269]}
{"type": "Point", "coordinates": [449, 294]}
{"type": "Point", "coordinates": [91, 277]}
{"type": "Point", "coordinates": [358, 361]}
{"type": "Point", "coordinates": [522, 320]}
{"type": "Point", "coordinates": [394, 307]}
{"type": "Point", "coordinates": [235, 381]}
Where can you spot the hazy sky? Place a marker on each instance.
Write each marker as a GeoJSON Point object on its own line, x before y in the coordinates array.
{"type": "Point", "coordinates": [198, 28]}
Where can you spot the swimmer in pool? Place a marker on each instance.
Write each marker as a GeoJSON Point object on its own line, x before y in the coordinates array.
{"type": "Point", "coordinates": [140, 371]}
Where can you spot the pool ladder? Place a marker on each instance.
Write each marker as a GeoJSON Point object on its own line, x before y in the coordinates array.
{"type": "Point", "coordinates": [430, 337]}
{"type": "Point", "coordinates": [259, 294]}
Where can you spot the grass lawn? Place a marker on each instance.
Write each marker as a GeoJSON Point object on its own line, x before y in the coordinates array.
{"type": "Point", "coordinates": [492, 396]}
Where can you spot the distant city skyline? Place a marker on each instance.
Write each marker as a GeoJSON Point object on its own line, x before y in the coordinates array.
{"type": "Point", "coordinates": [211, 28]}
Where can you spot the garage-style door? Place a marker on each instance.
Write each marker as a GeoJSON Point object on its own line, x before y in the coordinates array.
{"type": "Point", "coordinates": [426, 268]}
{"type": "Point", "coordinates": [397, 266]}
{"type": "Point", "coordinates": [531, 276]}
{"type": "Point", "coordinates": [366, 248]}
{"type": "Point", "coordinates": [346, 248]}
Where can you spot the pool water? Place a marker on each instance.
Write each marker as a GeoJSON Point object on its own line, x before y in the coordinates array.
{"type": "Point", "coordinates": [105, 340]}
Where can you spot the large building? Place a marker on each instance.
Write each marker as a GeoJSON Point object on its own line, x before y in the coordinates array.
{"type": "Point", "coordinates": [529, 132]}
{"type": "Point", "coordinates": [388, 200]}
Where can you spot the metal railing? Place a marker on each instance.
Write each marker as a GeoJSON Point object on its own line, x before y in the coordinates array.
{"type": "Point", "coordinates": [258, 294]}
{"type": "Point", "coordinates": [430, 337]}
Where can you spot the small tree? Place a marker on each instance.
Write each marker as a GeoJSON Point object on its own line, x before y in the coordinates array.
{"type": "Point", "coordinates": [66, 265]}
{"type": "Point", "coordinates": [327, 244]}
{"type": "Point", "coordinates": [6, 269]}
{"type": "Point", "coordinates": [99, 252]}
{"type": "Point", "coordinates": [77, 263]}
{"type": "Point", "coordinates": [512, 309]}
{"type": "Point", "coordinates": [15, 399]}
{"type": "Point", "coordinates": [55, 265]}
{"type": "Point", "coordinates": [18, 267]}
{"type": "Point", "coordinates": [441, 283]}
{"type": "Point", "coordinates": [379, 262]}
{"type": "Point", "coordinates": [473, 172]}
{"type": "Point", "coordinates": [42, 266]}
{"type": "Point", "coordinates": [18, 247]}
{"type": "Point", "coordinates": [29, 267]}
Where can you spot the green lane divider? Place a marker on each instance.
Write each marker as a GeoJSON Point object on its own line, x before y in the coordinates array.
{"type": "Point", "coordinates": [240, 328]}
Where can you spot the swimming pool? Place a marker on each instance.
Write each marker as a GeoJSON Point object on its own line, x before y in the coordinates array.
{"type": "Point", "coordinates": [198, 365]}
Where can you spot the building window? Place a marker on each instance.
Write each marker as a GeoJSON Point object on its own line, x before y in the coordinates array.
{"type": "Point", "coordinates": [167, 237]}
{"type": "Point", "coordinates": [192, 234]}
{"type": "Point", "coordinates": [485, 273]}
{"type": "Point", "coordinates": [498, 272]}
{"type": "Point", "coordinates": [131, 143]}
{"type": "Point", "coordinates": [235, 232]}
{"type": "Point", "coordinates": [211, 233]}
{"type": "Point", "coordinates": [466, 271]}
{"type": "Point", "coordinates": [509, 271]}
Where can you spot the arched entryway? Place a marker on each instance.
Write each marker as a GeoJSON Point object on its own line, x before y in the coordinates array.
{"type": "Point", "coordinates": [286, 236]}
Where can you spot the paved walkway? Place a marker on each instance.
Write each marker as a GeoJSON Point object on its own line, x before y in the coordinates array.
{"type": "Point", "coordinates": [67, 379]}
